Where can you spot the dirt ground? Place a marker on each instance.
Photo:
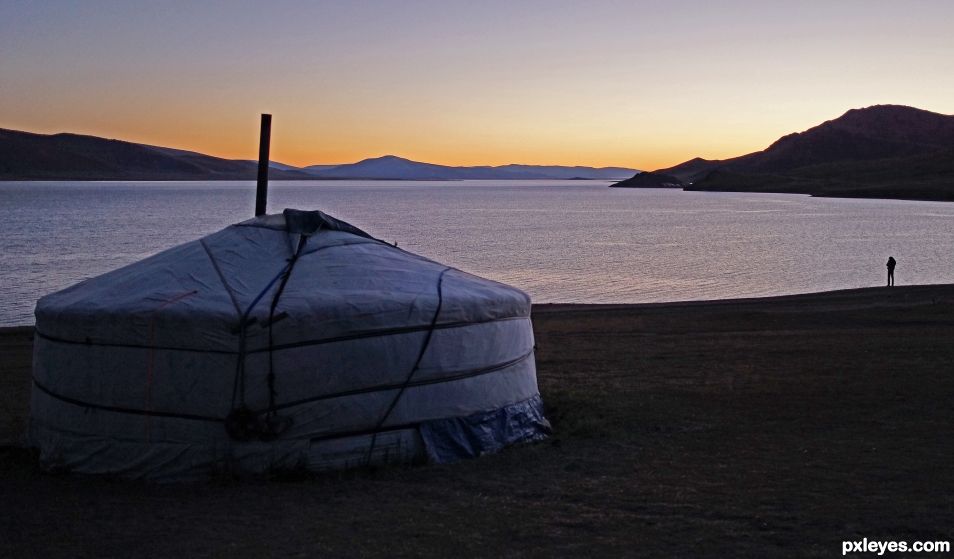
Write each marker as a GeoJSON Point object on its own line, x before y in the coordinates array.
{"type": "Point", "coordinates": [763, 428]}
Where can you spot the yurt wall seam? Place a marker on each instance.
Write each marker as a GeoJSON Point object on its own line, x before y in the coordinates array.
{"type": "Point", "coordinates": [119, 409]}
{"type": "Point", "coordinates": [292, 345]}
{"type": "Point", "coordinates": [368, 390]}
{"type": "Point", "coordinates": [193, 417]}
{"type": "Point", "coordinates": [389, 332]}
{"type": "Point", "coordinates": [412, 384]}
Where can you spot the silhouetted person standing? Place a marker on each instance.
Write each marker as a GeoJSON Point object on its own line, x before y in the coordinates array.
{"type": "Point", "coordinates": [891, 264]}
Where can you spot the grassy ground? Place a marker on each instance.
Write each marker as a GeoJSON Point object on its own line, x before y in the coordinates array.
{"type": "Point", "coordinates": [765, 428]}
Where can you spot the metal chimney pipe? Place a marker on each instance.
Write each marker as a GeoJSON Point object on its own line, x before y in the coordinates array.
{"type": "Point", "coordinates": [261, 193]}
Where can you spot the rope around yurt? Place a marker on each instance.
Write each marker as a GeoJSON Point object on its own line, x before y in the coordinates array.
{"type": "Point", "coordinates": [417, 364]}
{"type": "Point", "coordinates": [243, 423]}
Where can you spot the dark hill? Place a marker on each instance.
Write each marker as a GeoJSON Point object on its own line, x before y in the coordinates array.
{"type": "Point", "coordinates": [691, 170]}
{"type": "Point", "coordinates": [27, 156]}
{"type": "Point", "coordinates": [879, 132]}
{"type": "Point", "coordinates": [652, 179]}
{"type": "Point", "coordinates": [884, 151]}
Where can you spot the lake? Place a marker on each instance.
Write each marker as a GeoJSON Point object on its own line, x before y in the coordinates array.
{"type": "Point", "coordinates": [561, 241]}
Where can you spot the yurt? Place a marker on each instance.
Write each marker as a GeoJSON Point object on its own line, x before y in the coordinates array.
{"type": "Point", "coordinates": [292, 341]}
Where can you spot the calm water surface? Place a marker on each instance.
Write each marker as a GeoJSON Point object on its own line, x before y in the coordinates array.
{"type": "Point", "coordinates": [561, 241]}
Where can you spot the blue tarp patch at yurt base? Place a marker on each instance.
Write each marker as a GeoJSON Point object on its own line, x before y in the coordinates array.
{"type": "Point", "coordinates": [456, 438]}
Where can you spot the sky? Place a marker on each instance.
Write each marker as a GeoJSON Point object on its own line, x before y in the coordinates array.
{"type": "Point", "coordinates": [642, 84]}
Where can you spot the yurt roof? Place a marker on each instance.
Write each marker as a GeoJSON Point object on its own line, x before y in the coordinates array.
{"type": "Point", "coordinates": [343, 282]}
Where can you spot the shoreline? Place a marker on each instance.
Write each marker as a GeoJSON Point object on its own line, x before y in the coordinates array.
{"type": "Point", "coordinates": [758, 427]}
{"type": "Point", "coordinates": [900, 196]}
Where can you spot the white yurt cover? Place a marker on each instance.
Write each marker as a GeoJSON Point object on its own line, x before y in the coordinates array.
{"type": "Point", "coordinates": [292, 341]}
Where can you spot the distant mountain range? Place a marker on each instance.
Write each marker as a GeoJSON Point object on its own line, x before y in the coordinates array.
{"type": "Point", "coordinates": [392, 167]}
{"type": "Point", "coordinates": [884, 151]}
{"type": "Point", "coordinates": [28, 156]}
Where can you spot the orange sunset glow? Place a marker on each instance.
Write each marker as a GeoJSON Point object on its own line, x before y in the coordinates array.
{"type": "Point", "coordinates": [641, 85]}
